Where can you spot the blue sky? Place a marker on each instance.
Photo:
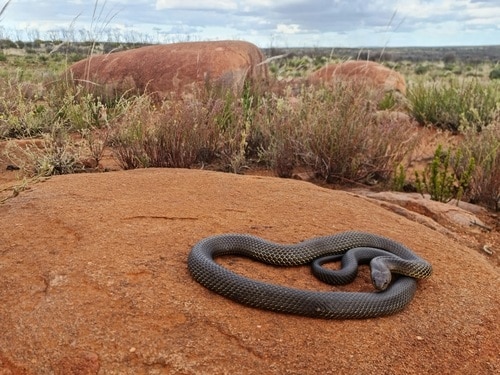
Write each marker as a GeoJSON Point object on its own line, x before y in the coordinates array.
{"type": "Point", "coordinates": [286, 23]}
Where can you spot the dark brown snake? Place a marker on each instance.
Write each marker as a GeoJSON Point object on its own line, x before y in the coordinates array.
{"type": "Point", "coordinates": [337, 305]}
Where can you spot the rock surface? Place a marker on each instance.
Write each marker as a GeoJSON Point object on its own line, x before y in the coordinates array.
{"type": "Point", "coordinates": [173, 68]}
{"type": "Point", "coordinates": [94, 280]}
{"type": "Point", "coordinates": [449, 214]}
{"type": "Point", "coordinates": [370, 73]}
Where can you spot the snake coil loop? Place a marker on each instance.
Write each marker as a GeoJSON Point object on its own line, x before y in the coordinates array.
{"type": "Point", "coordinates": [337, 305]}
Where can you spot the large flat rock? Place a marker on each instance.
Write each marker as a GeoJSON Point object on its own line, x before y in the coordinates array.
{"type": "Point", "coordinates": [94, 279]}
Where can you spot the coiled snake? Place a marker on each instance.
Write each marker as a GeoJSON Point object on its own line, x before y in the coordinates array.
{"type": "Point", "coordinates": [339, 305]}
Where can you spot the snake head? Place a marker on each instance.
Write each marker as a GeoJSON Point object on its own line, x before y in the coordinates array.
{"type": "Point", "coordinates": [381, 274]}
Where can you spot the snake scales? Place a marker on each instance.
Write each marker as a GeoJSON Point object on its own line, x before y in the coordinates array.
{"type": "Point", "coordinates": [339, 305]}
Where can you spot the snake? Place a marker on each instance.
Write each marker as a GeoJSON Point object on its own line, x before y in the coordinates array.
{"type": "Point", "coordinates": [382, 263]}
{"type": "Point", "coordinates": [317, 304]}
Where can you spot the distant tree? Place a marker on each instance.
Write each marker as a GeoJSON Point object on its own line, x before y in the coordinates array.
{"type": "Point", "coordinates": [111, 47]}
{"type": "Point", "coordinates": [495, 73]}
{"type": "Point", "coordinates": [7, 43]}
{"type": "Point", "coordinates": [449, 58]}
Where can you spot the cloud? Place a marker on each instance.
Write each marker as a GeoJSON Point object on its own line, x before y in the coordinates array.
{"type": "Point", "coordinates": [197, 5]}
{"type": "Point", "coordinates": [291, 21]}
{"type": "Point", "coordinates": [288, 29]}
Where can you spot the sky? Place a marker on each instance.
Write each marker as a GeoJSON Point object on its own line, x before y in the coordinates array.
{"type": "Point", "coordinates": [267, 23]}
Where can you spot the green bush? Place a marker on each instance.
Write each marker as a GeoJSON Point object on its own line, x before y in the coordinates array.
{"type": "Point", "coordinates": [21, 117]}
{"type": "Point", "coordinates": [421, 69]}
{"type": "Point", "coordinates": [455, 105]}
{"type": "Point", "coordinates": [7, 43]}
{"type": "Point", "coordinates": [399, 178]}
{"type": "Point", "coordinates": [447, 177]}
{"type": "Point", "coordinates": [388, 102]}
{"type": "Point", "coordinates": [495, 73]}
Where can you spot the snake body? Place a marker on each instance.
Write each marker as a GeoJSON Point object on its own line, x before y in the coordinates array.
{"type": "Point", "coordinates": [338, 305]}
{"type": "Point", "coordinates": [350, 262]}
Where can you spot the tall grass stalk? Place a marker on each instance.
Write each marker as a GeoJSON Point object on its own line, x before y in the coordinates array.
{"type": "Point", "coordinates": [4, 8]}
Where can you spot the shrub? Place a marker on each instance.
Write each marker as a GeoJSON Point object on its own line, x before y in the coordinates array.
{"type": "Point", "coordinates": [342, 140]}
{"type": "Point", "coordinates": [389, 101]}
{"type": "Point", "coordinates": [449, 58]}
{"type": "Point", "coordinates": [421, 69]}
{"type": "Point", "coordinates": [455, 105]}
{"type": "Point", "coordinates": [447, 177]}
{"type": "Point", "coordinates": [7, 43]}
{"type": "Point", "coordinates": [495, 73]}
{"type": "Point", "coordinates": [81, 111]}
{"type": "Point", "coordinates": [280, 147]}
{"type": "Point", "coordinates": [58, 154]}
{"type": "Point", "coordinates": [22, 117]}
{"type": "Point", "coordinates": [335, 131]}
{"type": "Point", "coordinates": [331, 130]}
{"type": "Point", "coordinates": [174, 136]}
{"type": "Point", "coordinates": [399, 178]}
{"type": "Point", "coordinates": [484, 147]}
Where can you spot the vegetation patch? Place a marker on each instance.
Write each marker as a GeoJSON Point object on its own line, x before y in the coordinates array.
{"type": "Point", "coordinates": [340, 134]}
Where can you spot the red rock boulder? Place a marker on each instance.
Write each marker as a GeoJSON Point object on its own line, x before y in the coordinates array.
{"type": "Point", "coordinates": [370, 73]}
{"type": "Point", "coordinates": [173, 68]}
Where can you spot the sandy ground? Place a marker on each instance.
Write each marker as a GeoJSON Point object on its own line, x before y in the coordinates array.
{"type": "Point", "coordinates": [94, 280]}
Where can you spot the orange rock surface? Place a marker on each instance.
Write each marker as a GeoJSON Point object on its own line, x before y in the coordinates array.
{"type": "Point", "coordinates": [172, 68]}
{"type": "Point", "coordinates": [367, 72]}
{"type": "Point", "coordinates": [94, 280]}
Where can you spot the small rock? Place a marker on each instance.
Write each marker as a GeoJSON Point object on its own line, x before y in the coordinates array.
{"type": "Point", "coordinates": [304, 176]}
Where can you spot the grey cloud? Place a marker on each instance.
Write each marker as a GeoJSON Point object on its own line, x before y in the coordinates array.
{"type": "Point", "coordinates": [346, 15]}
{"type": "Point", "coordinates": [334, 16]}
{"type": "Point", "coordinates": [313, 17]}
